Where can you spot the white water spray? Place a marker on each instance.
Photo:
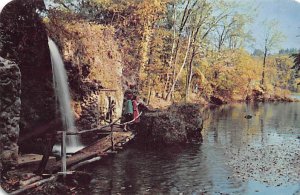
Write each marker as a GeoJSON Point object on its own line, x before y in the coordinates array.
{"type": "Point", "coordinates": [63, 96]}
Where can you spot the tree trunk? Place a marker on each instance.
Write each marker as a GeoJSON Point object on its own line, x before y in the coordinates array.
{"type": "Point", "coordinates": [166, 86]}
{"type": "Point", "coordinates": [149, 92]}
{"type": "Point", "coordinates": [174, 54]}
{"type": "Point", "coordinates": [174, 39]}
{"type": "Point", "coordinates": [181, 68]}
{"type": "Point", "coordinates": [264, 67]}
{"type": "Point", "coordinates": [50, 141]}
{"type": "Point", "coordinates": [189, 75]}
{"type": "Point", "coordinates": [145, 45]}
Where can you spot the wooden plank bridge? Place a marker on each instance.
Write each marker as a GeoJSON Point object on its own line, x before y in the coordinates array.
{"type": "Point", "coordinates": [99, 148]}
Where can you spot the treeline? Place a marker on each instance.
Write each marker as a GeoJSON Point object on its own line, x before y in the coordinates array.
{"type": "Point", "coordinates": [188, 49]}
{"type": "Point", "coordinates": [290, 51]}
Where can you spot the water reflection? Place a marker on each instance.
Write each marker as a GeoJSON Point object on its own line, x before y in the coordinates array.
{"type": "Point", "coordinates": [228, 126]}
{"type": "Point", "coordinates": [213, 167]}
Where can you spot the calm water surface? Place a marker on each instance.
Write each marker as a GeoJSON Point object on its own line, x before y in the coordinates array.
{"type": "Point", "coordinates": [238, 156]}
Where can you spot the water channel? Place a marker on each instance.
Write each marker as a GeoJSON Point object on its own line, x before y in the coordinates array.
{"type": "Point", "coordinates": [260, 155]}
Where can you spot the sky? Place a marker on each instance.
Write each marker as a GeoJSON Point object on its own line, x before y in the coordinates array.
{"type": "Point", "coordinates": [286, 12]}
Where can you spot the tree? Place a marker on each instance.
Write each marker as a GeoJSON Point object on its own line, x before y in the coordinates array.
{"type": "Point", "coordinates": [216, 18]}
{"type": "Point", "coordinates": [296, 61]}
{"type": "Point", "coordinates": [258, 53]}
{"type": "Point", "coordinates": [204, 20]}
{"type": "Point", "coordinates": [177, 35]}
{"type": "Point", "coordinates": [165, 43]}
{"type": "Point", "coordinates": [273, 37]}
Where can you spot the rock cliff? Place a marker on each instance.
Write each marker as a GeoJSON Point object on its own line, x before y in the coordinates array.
{"type": "Point", "coordinates": [10, 106]}
{"type": "Point", "coordinates": [24, 41]}
{"type": "Point", "coordinates": [94, 65]}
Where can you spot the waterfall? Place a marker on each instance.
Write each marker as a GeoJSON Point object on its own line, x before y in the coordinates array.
{"type": "Point", "coordinates": [63, 95]}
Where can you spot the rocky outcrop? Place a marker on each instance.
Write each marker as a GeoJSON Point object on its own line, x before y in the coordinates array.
{"type": "Point", "coordinates": [258, 95]}
{"type": "Point", "coordinates": [94, 67]}
{"type": "Point", "coordinates": [217, 100]}
{"type": "Point", "coordinates": [24, 41]}
{"type": "Point", "coordinates": [177, 124]}
{"type": "Point", "coordinates": [10, 106]}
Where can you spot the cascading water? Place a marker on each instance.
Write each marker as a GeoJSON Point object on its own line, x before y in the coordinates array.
{"type": "Point", "coordinates": [63, 96]}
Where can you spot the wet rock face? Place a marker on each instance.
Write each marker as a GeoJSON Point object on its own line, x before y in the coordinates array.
{"type": "Point", "coordinates": [10, 106]}
{"type": "Point", "coordinates": [85, 94]}
{"type": "Point", "coordinates": [177, 124]}
{"type": "Point", "coordinates": [24, 40]}
{"type": "Point", "coordinates": [89, 113]}
{"type": "Point", "coordinates": [94, 67]}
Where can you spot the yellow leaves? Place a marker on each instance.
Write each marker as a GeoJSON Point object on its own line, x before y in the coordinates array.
{"type": "Point", "coordinates": [200, 76]}
{"type": "Point", "coordinates": [150, 10]}
{"type": "Point", "coordinates": [232, 73]}
{"type": "Point", "coordinates": [102, 2]}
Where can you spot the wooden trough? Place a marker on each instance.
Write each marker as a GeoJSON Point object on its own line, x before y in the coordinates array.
{"type": "Point", "coordinates": [98, 148]}
{"type": "Point", "coordinates": [32, 160]}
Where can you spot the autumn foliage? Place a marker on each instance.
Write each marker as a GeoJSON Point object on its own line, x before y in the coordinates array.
{"type": "Point", "coordinates": [193, 50]}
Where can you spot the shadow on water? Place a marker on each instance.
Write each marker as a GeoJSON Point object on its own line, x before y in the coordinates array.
{"type": "Point", "coordinates": [238, 156]}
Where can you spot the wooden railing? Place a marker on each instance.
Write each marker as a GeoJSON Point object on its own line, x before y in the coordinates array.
{"type": "Point", "coordinates": [66, 133]}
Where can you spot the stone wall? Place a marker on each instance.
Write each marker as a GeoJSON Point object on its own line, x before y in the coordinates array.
{"type": "Point", "coordinates": [10, 106]}
{"type": "Point", "coordinates": [24, 41]}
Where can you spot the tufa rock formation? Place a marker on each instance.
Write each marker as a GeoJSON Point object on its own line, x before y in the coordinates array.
{"type": "Point", "coordinates": [10, 106]}
{"type": "Point", "coordinates": [175, 125]}
{"type": "Point", "coordinates": [94, 68]}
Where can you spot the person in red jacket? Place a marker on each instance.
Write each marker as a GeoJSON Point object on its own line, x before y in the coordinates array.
{"type": "Point", "coordinates": [136, 112]}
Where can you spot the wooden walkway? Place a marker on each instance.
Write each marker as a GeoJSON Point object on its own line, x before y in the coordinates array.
{"type": "Point", "coordinates": [87, 155]}
{"type": "Point", "coordinates": [32, 160]}
{"type": "Point", "coordinates": [99, 148]}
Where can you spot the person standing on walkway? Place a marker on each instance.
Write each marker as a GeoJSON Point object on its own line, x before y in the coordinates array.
{"type": "Point", "coordinates": [128, 108]}
{"type": "Point", "coordinates": [136, 112]}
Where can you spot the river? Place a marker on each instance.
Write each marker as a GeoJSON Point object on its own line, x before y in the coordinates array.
{"type": "Point", "coordinates": [260, 155]}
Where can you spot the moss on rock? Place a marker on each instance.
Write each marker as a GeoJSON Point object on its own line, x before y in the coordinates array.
{"type": "Point", "coordinates": [180, 123]}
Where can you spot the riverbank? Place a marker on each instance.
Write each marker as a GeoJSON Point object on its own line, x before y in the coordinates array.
{"type": "Point", "coordinates": [256, 96]}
